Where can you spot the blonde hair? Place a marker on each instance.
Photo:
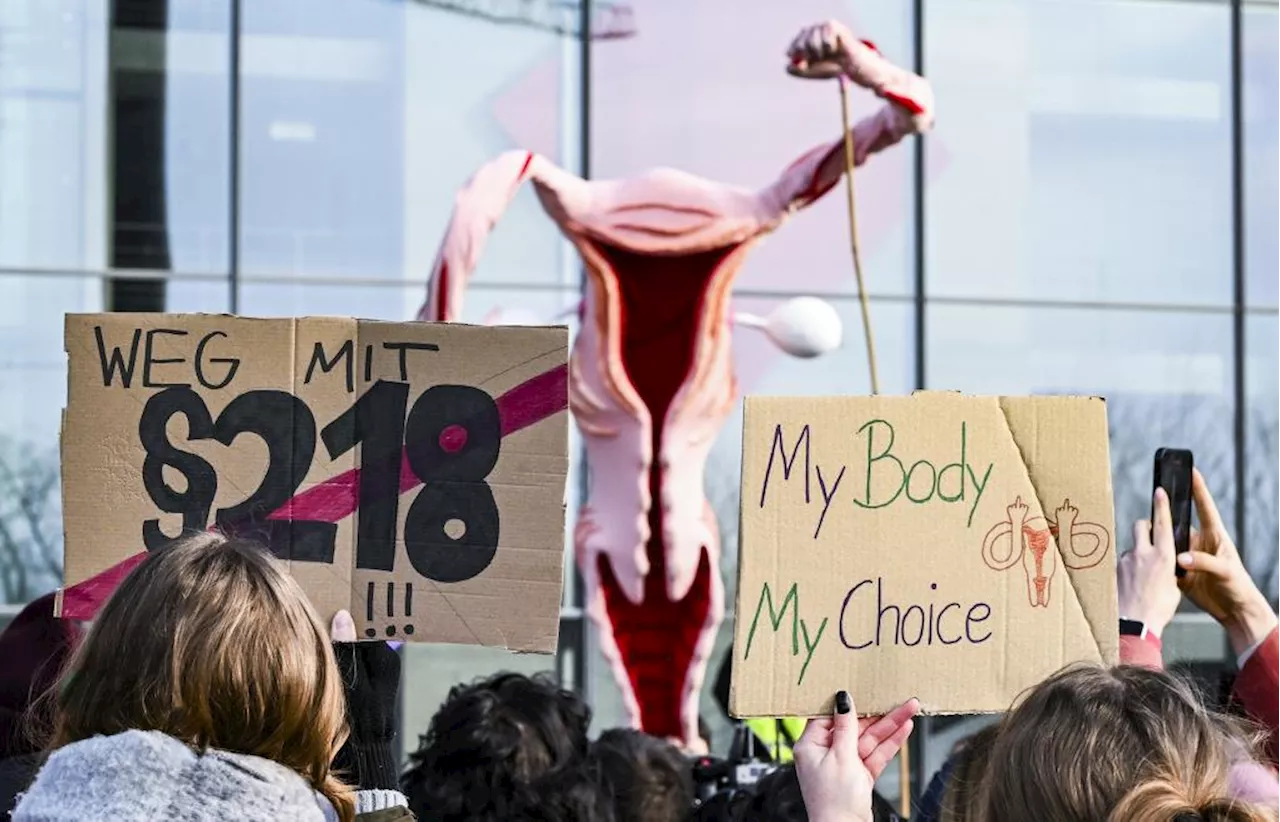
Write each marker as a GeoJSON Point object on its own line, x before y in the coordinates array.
{"type": "Point", "coordinates": [1124, 744]}
{"type": "Point", "coordinates": [211, 642]}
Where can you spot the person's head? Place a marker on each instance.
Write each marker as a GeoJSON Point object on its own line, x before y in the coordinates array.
{"type": "Point", "coordinates": [961, 800]}
{"type": "Point", "coordinates": [498, 748]}
{"type": "Point", "coordinates": [211, 642]}
{"type": "Point", "coordinates": [777, 798]}
{"type": "Point", "coordinates": [35, 648]}
{"type": "Point", "coordinates": [647, 778]}
{"type": "Point", "coordinates": [1124, 743]}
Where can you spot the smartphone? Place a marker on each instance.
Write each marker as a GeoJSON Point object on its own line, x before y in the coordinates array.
{"type": "Point", "coordinates": [1173, 474]}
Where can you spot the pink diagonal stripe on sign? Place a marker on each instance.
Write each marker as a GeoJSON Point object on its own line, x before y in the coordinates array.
{"type": "Point", "coordinates": [528, 404]}
{"type": "Point", "coordinates": [82, 600]}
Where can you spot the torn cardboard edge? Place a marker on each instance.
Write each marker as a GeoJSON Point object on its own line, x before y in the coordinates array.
{"type": "Point", "coordinates": [1093, 634]}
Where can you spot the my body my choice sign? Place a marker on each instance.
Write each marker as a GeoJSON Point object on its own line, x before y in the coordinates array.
{"type": "Point", "coordinates": [956, 549]}
{"type": "Point", "coordinates": [412, 473]}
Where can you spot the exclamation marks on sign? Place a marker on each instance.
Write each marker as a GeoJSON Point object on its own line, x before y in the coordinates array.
{"type": "Point", "coordinates": [371, 596]}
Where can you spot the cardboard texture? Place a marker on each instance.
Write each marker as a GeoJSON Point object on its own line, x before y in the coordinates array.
{"type": "Point", "coordinates": [411, 473]}
{"type": "Point", "coordinates": [956, 549]}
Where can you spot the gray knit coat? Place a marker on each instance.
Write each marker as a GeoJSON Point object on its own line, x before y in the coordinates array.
{"type": "Point", "coordinates": [146, 775]}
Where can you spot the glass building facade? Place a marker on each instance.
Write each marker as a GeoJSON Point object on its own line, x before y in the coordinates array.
{"type": "Point", "coordinates": [1096, 212]}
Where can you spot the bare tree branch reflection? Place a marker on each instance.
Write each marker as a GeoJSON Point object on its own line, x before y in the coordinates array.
{"type": "Point", "coordinates": [30, 521]}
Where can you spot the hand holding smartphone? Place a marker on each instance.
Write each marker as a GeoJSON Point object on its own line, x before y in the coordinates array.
{"type": "Point", "coordinates": [1173, 474]}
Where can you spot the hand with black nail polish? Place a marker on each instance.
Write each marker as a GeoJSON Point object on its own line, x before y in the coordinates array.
{"type": "Point", "coordinates": [371, 679]}
{"type": "Point", "coordinates": [839, 758]}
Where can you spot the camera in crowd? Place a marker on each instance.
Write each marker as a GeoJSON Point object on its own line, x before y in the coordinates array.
{"type": "Point", "coordinates": [723, 779]}
{"type": "Point", "coordinates": [723, 787]}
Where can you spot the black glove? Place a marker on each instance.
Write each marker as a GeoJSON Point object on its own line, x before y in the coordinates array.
{"type": "Point", "coordinates": [371, 677]}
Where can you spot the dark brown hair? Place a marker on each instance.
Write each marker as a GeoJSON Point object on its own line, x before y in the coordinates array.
{"type": "Point", "coordinates": [961, 801]}
{"type": "Point", "coordinates": [211, 642]}
{"type": "Point", "coordinates": [648, 779]}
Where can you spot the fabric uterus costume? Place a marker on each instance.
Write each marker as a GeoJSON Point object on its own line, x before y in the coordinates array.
{"type": "Point", "coordinates": [651, 375]}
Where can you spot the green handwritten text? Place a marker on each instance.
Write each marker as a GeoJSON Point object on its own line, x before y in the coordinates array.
{"type": "Point", "coordinates": [923, 480]}
{"type": "Point", "coordinates": [799, 630]}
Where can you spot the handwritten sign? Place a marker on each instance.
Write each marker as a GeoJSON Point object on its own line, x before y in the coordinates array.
{"type": "Point", "coordinates": [411, 473]}
{"type": "Point", "coordinates": [956, 549]}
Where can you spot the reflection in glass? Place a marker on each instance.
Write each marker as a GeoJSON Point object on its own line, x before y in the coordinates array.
{"type": "Point", "coordinates": [1166, 376]}
{"type": "Point", "coordinates": [534, 306]}
{"type": "Point", "coordinates": [52, 129]}
{"type": "Point", "coordinates": [1261, 148]}
{"type": "Point", "coordinates": [1262, 458]}
{"type": "Point", "coordinates": [170, 141]}
{"type": "Point", "coordinates": [1087, 157]}
{"type": "Point", "coordinates": [701, 87]}
{"type": "Point", "coordinates": [361, 118]}
{"type": "Point", "coordinates": [33, 373]}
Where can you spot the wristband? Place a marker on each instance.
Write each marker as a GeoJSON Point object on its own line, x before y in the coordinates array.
{"type": "Point", "coordinates": [1133, 627]}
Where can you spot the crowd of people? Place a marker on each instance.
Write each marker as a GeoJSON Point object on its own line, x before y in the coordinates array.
{"type": "Point", "coordinates": [207, 688]}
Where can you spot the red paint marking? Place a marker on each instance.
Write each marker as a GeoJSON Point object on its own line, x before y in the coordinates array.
{"type": "Point", "coordinates": [906, 102]}
{"type": "Point", "coordinates": [82, 600]}
{"type": "Point", "coordinates": [453, 439]}
{"type": "Point", "coordinates": [442, 293]}
{"type": "Point", "coordinates": [528, 161]}
{"type": "Point", "coordinates": [662, 300]}
{"type": "Point", "coordinates": [527, 404]}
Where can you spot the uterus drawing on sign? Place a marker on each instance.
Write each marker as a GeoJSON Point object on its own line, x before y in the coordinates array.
{"type": "Point", "coordinates": [1034, 547]}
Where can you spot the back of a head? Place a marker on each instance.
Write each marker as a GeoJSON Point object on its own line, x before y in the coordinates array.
{"type": "Point", "coordinates": [777, 798]}
{"type": "Point", "coordinates": [500, 747]}
{"type": "Point", "coordinates": [961, 801]}
{"type": "Point", "coordinates": [1126, 744]}
{"type": "Point", "coordinates": [209, 641]}
{"type": "Point", "coordinates": [647, 778]}
{"type": "Point", "coordinates": [35, 648]}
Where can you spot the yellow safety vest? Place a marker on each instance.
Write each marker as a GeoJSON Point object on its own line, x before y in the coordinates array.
{"type": "Point", "coordinates": [766, 729]}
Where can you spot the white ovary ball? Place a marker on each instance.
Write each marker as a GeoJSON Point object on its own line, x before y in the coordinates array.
{"type": "Point", "coordinates": [805, 327]}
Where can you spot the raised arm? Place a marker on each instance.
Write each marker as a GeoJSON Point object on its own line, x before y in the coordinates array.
{"type": "Point", "coordinates": [908, 110]}
{"type": "Point", "coordinates": [477, 208]}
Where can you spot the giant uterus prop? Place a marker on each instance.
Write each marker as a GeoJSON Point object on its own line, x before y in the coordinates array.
{"type": "Point", "coordinates": [651, 375]}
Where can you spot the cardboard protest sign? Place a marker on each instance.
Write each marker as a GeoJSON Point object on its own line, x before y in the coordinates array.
{"type": "Point", "coordinates": [411, 473]}
{"type": "Point", "coordinates": [956, 549]}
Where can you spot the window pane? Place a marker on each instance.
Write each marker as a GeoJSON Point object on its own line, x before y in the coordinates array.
{"type": "Point", "coordinates": [545, 306]}
{"type": "Point", "coordinates": [1262, 430]}
{"type": "Point", "coordinates": [695, 92]}
{"type": "Point", "coordinates": [361, 118]}
{"type": "Point", "coordinates": [300, 299]}
{"type": "Point", "coordinates": [189, 296]}
{"type": "Point", "coordinates": [170, 114]}
{"type": "Point", "coordinates": [1085, 154]}
{"type": "Point", "coordinates": [33, 373]}
{"type": "Point", "coordinates": [1261, 146]}
{"type": "Point", "coordinates": [52, 133]}
{"type": "Point", "coordinates": [1167, 378]}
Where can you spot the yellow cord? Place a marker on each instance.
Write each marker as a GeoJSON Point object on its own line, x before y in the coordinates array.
{"type": "Point", "coordinates": [853, 236]}
{"type": "Point", "coordinates": [904, 756]}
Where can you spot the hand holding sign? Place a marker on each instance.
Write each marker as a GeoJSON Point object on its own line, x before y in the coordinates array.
{"type": "Point", "coordinates": [839, 758]}
{"type": "Point", "coordinates": [380, 477]}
